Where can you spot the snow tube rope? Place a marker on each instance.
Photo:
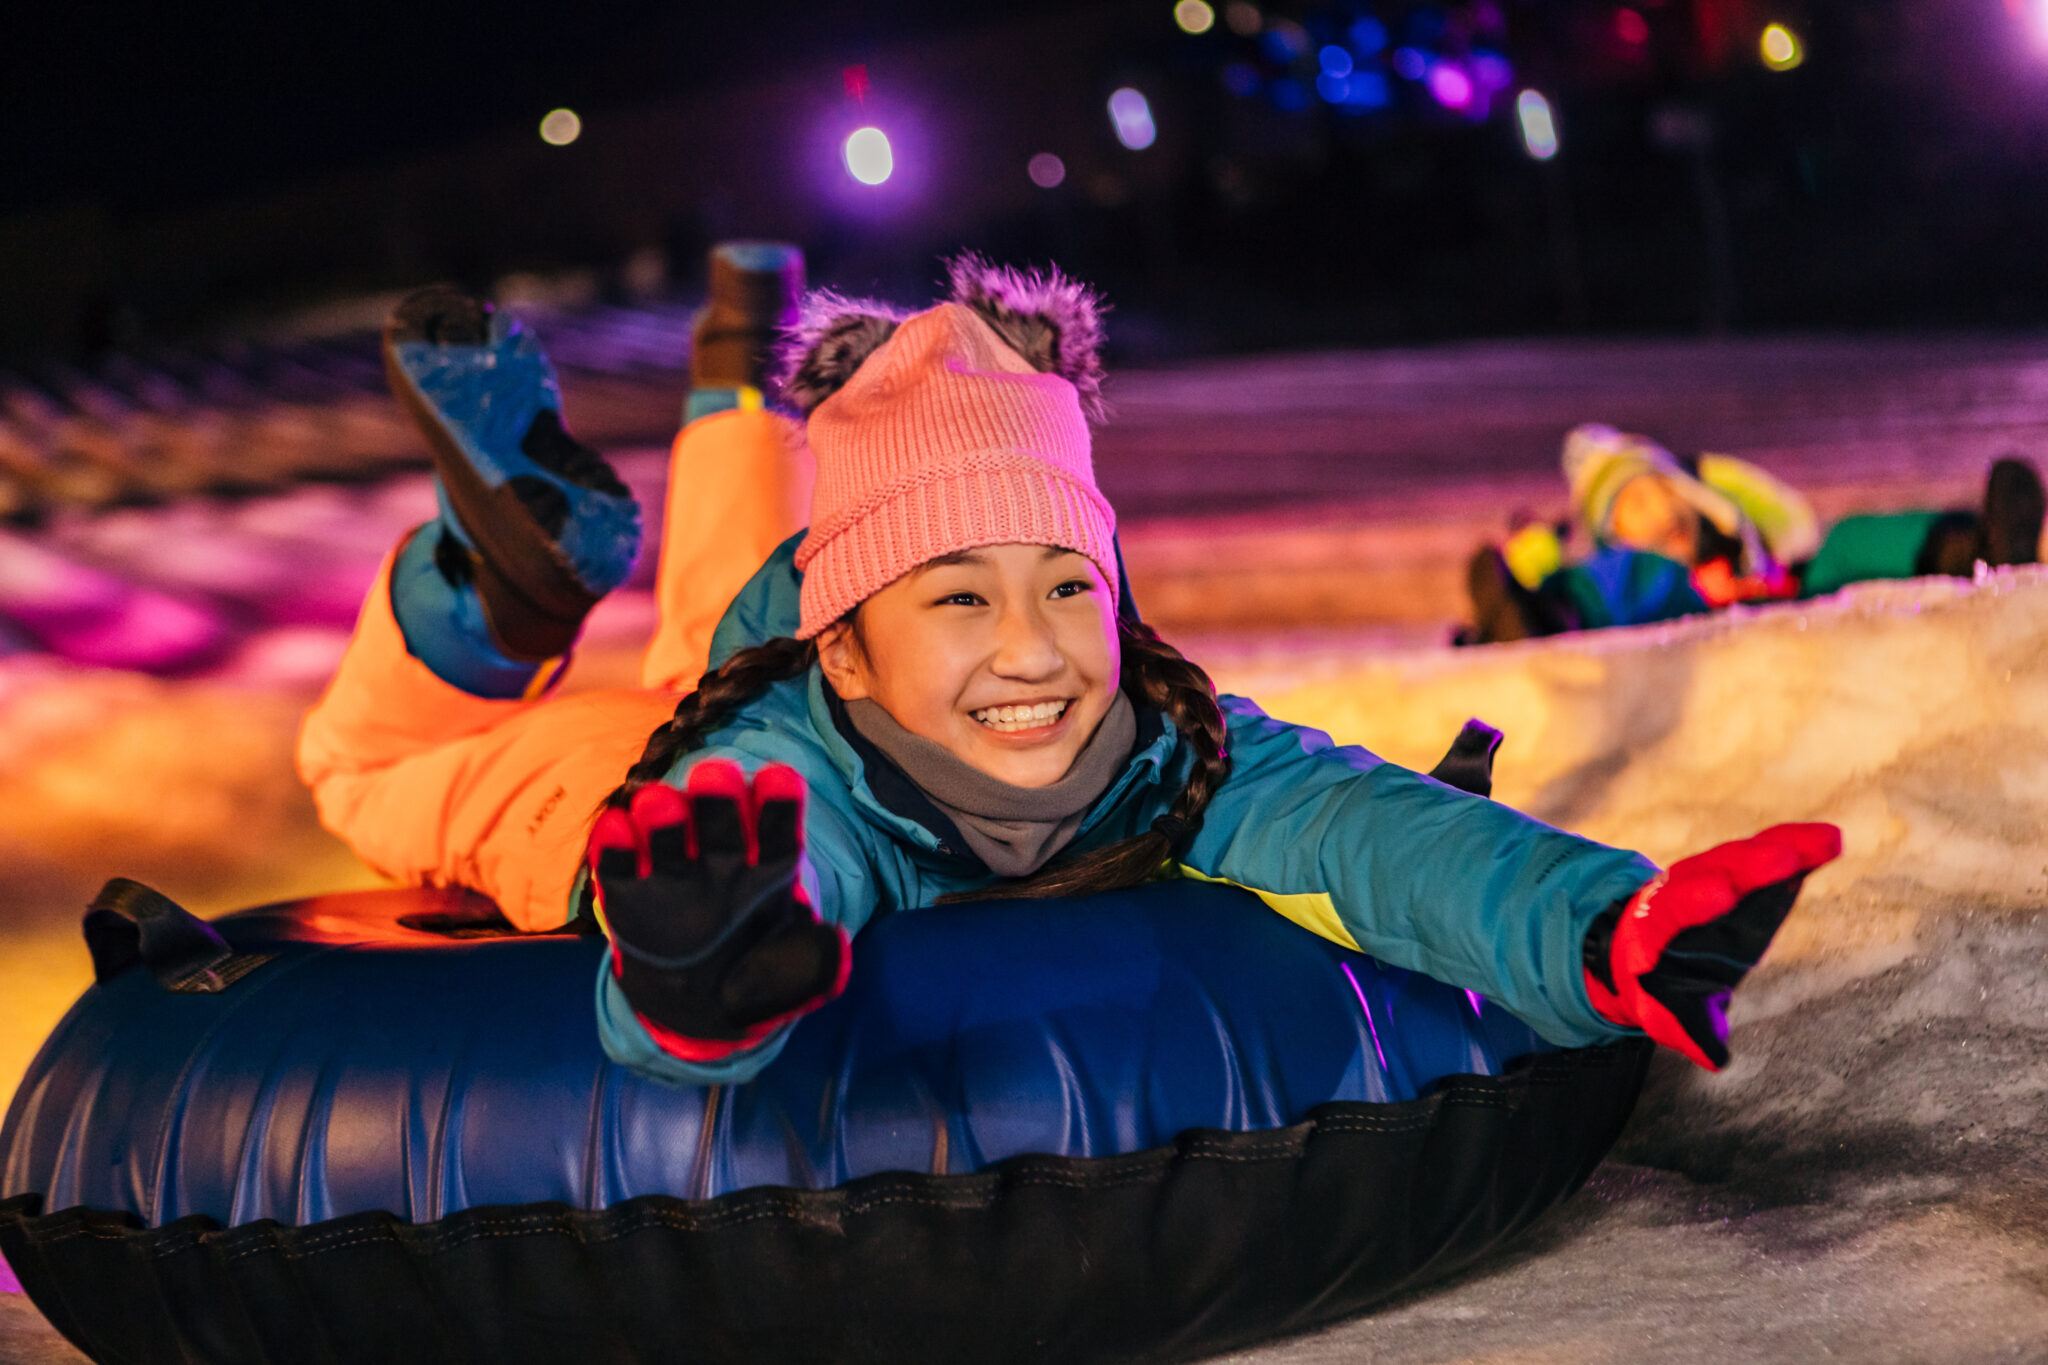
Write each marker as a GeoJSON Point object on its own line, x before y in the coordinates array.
{"type": "Point", "coordinates": [1161, 1123]}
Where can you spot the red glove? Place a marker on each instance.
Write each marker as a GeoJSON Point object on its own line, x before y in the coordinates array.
{"type": "Point", "coordinates": [713, 943]}
{"type": "Point", "coordinates": [1666, 960]}
{"type": "Point", "coordinates": [1716, 582]}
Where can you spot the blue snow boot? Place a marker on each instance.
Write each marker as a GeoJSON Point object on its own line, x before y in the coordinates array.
{"type": "Point", "coordinates": [544, 526]}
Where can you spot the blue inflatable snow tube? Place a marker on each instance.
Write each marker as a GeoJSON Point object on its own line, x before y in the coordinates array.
{"type": "Point", "coordinates": [1158, 1124]}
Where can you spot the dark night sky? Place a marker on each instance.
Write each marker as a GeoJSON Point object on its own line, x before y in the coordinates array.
{"type": "Point", "coordinates": [1896, 179]}
{"type": "Point", "coordinates": [138, 105]}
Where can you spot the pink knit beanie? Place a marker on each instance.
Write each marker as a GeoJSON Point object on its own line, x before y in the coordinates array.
{"type": "Point", "coordinates": [960, 426]}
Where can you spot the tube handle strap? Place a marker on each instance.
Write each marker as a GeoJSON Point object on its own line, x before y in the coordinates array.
{"type": "Point", "coordinates": [129, 923]}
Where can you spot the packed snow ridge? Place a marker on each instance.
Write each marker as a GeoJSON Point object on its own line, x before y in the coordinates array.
{"type": "Point", "coordinates": [1868, 1180]}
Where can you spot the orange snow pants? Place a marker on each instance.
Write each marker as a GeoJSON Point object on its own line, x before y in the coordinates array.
{"type": "Point", "coordinates": [433, 786]}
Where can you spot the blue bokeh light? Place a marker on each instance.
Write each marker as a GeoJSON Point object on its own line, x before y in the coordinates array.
{"type": "Point", "coordinates": [1369, 90]}
{"type": "Point", "coordinates": [1368, 36]}
{"type": "Point", "coordinates": [1284, 42]}
{"type": "Point", "coordinates": [1241, 78]}
{"type": "Point", "coordinates": [1426, 26]}
{"type": "Point", "coordinates": [1335, 61]}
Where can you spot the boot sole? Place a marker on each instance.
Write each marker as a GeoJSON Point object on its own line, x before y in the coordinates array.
{"type": "Point", "coordinates": [516, 557]}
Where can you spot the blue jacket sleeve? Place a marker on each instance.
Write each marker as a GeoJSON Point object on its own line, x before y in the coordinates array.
{"type": "Point", "coordinates": [835, 878]}
{"type": "Point", "coordinates": [1418, 874]}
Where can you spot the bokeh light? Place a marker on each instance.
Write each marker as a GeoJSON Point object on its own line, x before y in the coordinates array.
{"type": "Point", "coordinates": [1046, 170]}
{"type": "Point", "coordinates": [1539, 125]}
{"type": "Point", "coordinates": [1194, 16]}
{"type": "Point", "coordinates": [1410, 64]}
{"type": "Point", "coordinates": [1369, 90]}
{"type": "Point", "coordinates": [1243, 17]}
{"type": "Point", "coordinates": [1285, 41]}
{"type": "Point", "coordinates": [1289, 95]}
{"type": "Point", "coordinates": [1130, 113]}
{"type": "Point", "coordinates": [1781, 48]}
{"type": "Point", "coordinates": [2033, 14]}
{"type": "Point", "coordinates": [1335, 61]}
{"type": "Point", "coordinates": [1491, 72]}
{"type": "Point", "coordinates": [1450, 86]}
{"type": "Point", "coordinates": [1334, 89]}
{"type": "Point", "coordinates": [561, 127]}
{"type": "Point", "coordinates": [1368, 36]}
{"type": "Point", "coordinates": [868, 156]}
{"type": "Point", "coordinates": [1631, 27]}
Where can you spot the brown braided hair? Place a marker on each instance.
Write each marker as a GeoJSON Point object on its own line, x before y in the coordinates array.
{"type": "Point", "coordinates": [719, 693]}
{"type": "Point", "coordinates": [1155, 674]}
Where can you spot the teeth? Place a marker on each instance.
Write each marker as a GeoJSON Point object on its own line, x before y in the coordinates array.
{"type": "Point", "coordinates": [1020, 717]}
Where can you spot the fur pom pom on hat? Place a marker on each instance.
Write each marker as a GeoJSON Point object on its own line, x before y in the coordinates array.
{"type": "Point", "coordinates": [961, 426]}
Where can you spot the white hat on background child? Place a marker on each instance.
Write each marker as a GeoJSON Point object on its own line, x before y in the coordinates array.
{"type": "Point", "coordinates": [1600, 461]}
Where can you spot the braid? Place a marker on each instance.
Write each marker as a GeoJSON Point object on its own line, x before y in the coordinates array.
{"type": "Point", "coordinates": [719, 693]}
{"type": "Point", "coordinates": [1156, 674]}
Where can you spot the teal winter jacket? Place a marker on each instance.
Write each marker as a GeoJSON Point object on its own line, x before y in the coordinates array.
{"type": "Point", "coordinates": [1351, 847]}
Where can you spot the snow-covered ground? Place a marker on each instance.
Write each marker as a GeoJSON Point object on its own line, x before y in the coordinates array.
{"type": "Point", "coordinates": [1867, 1181]}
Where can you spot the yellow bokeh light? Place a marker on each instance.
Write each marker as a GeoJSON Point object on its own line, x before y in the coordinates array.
{"type": "Point", "coordinates": [1194, 16]}
{"type": "Point", "coordinates": [1781, 48]}
{"type": "Point", "coordinates": [561, 127]}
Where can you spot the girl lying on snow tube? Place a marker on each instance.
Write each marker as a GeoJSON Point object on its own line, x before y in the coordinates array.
{"type": "Point", "coordinates": [939, 692]}
{"type": "Point", "coordinates": [936, 692]}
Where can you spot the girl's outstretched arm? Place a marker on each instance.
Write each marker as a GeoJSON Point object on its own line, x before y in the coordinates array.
{"type": "Point", "coordinates": [1375, 857]}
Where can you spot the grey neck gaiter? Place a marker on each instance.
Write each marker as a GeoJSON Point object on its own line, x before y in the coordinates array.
{"type": "Point", "coordinates": [1015, 830]}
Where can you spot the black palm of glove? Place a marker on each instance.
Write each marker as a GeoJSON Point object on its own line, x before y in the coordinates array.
{"type": "Point", "coordinates": [1667, 959]}
{"type": "Point", "coordinates": [713, 943]}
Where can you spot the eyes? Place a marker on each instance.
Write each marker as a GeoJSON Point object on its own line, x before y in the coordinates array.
{"type": "Point", "coordinates": [1073, 587]}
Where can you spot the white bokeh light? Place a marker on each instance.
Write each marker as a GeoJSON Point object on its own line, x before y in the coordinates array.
{"type": "Point", "coordinates": [868, 156]}
{"type": "Point", "coordinates": [1131, 114]}
{"type": "Point", "coordinates": [1539, 125]}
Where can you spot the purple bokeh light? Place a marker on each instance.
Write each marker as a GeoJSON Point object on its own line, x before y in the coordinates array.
{"type": "Point", "coordinates": [1130, 113]}
{"type": "Point", "coordinates": [1450, 86]}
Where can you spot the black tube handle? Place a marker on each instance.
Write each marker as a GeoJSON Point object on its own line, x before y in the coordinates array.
{"type": "Point", "coordinates": [1468, 765]}
{"type": "Point", "coordinates": [129, 923]}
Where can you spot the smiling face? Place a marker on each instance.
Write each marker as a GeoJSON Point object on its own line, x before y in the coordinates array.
{"type": "Point", "coordinates": [1007, 655]}
{"type": "Point", "coordinates": [1649, 515]}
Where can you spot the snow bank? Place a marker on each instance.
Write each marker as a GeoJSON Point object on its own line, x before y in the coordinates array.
{"type": "Point", "coordinates": [1914, 715]}
{"type": "Point", "coordinates": [1868, 1180]}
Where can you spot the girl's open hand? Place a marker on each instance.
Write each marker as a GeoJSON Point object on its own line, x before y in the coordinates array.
{"type": "Point", "coordinates": [1666, 960]}
{"type": "Point", "coordinates": [713, 942]}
